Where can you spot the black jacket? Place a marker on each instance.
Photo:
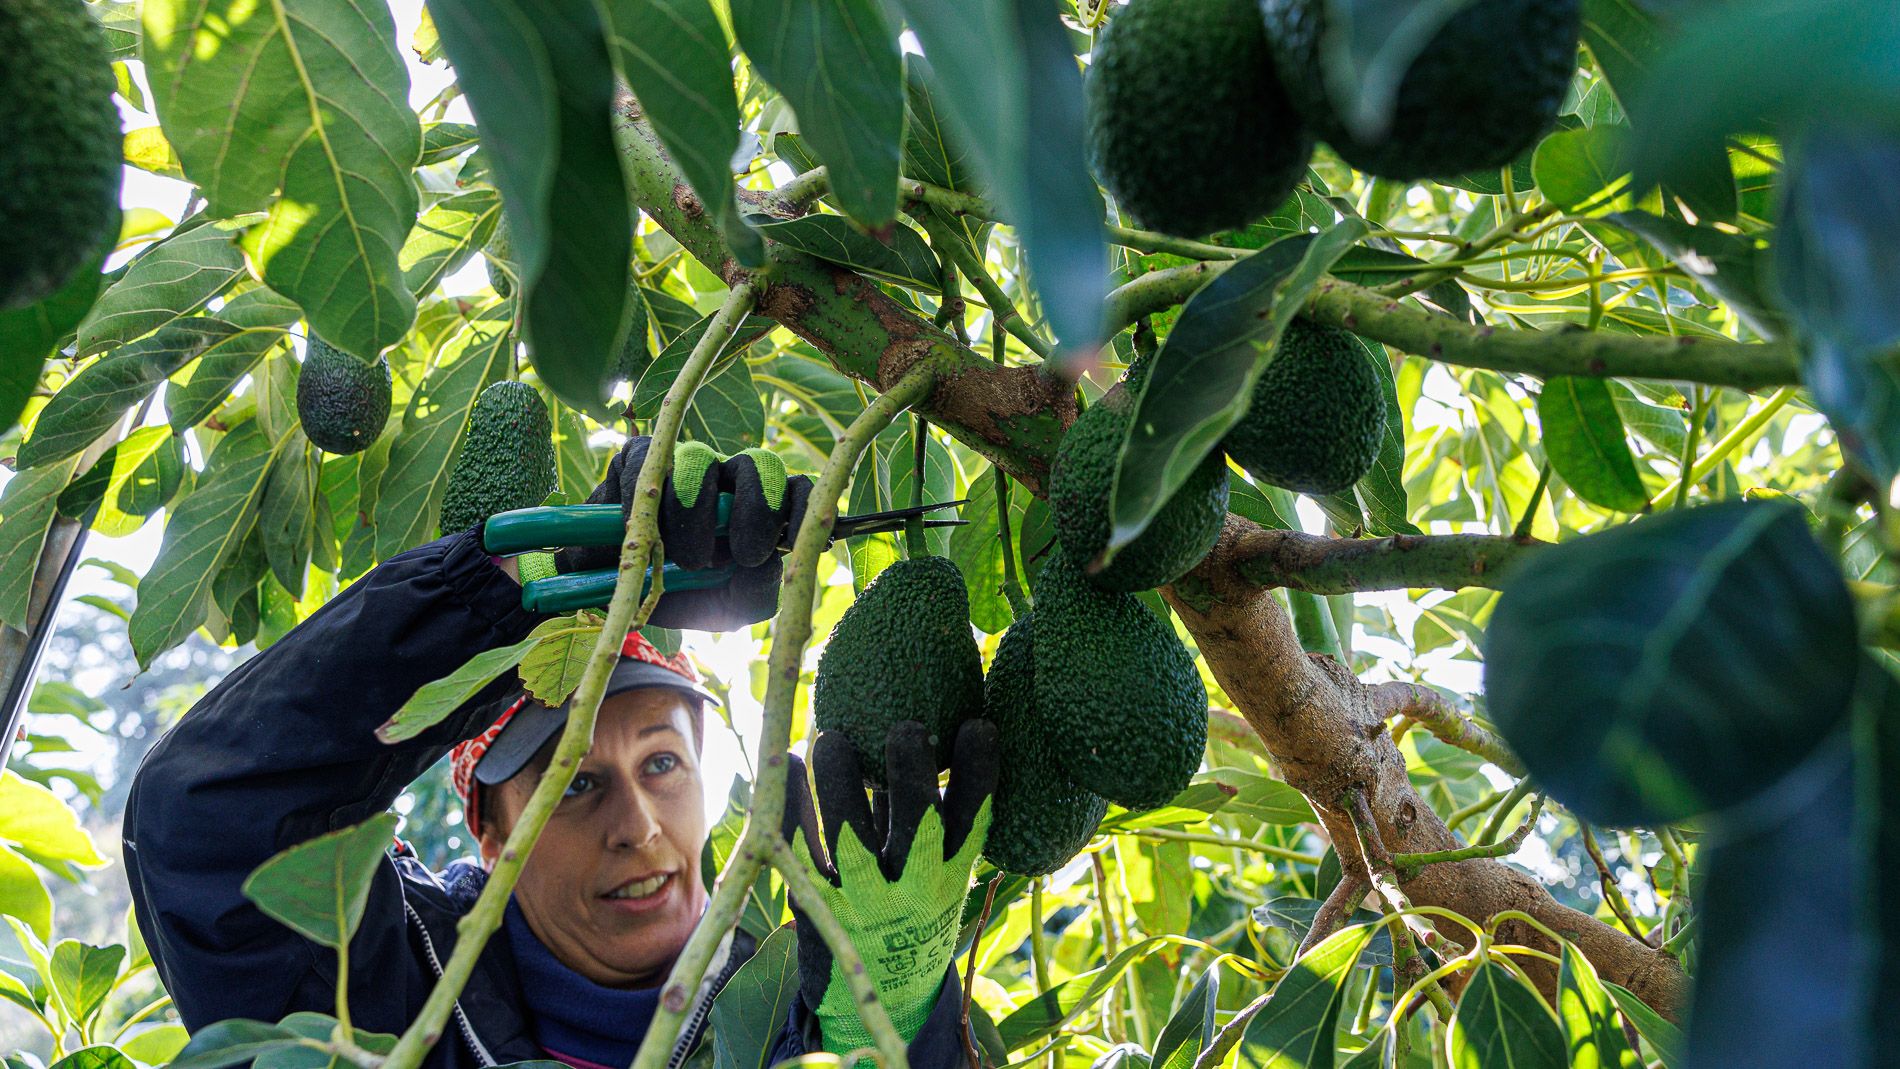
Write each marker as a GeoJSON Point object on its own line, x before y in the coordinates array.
{"type": "Point", "coordinates": [283, 750]}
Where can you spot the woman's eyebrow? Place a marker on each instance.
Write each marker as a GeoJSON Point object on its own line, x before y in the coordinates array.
{"type": "Point", "coordinates": [654, 729]}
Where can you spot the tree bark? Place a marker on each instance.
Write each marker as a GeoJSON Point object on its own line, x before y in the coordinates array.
{"type": "Point", "coordinates": [1317, 721]}
{"type": "Point", "coordinates": [1328, 736]}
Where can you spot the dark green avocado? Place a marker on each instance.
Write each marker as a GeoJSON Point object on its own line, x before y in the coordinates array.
{"type": "Point", "coordinates": [1485, 88]}
{"type": "Point", "coordinates": [507, 457]}
{"type": "Point", "coordinates": [1187, 123]}
{"type": "Point", "coordinates": [61, 155]}
{"type": "Point", "coordinates": [341, 401]}
{"type": "Point", "coordinates": [1317, 415]}
{"type": "Point", "coordinates": [1040, 818]}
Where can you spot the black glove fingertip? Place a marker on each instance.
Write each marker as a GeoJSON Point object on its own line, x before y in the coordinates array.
{"type": "Point", "coordinates": [973, 776]}
{"type": "Point", "coordinates": [910, 762]}
{"type": "Point", "coordinates": [840, 783]}
{"type": "Point", "coordinates": [753, 529]}
{"type": "Point", "coordinates": [691, 534]}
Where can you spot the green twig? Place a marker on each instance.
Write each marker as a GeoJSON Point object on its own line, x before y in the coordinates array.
{"type": "Point", "coordinates": [1495, 825]}
{"type": "Point", "coordinates": [642, 539]}
{"type": "Point", "coordinates": [1698, 415]}
{"type": "Point", "coordinates": [791, 632]}
{"type": "Point", "coordinates": [1443, 719]}
{"type": "Point", "coordinates": [1385, 880]}
{"type": "Point", "coordinates": [957, 203]}
{"type": "Point", "coordinates": [1408, 865]}
{"type": "Point", "coordinates": [1606, 880]}
{"type": "Point", "coordinates": [1249, 845]}
{"type": "Point", "coordinates": [1001, 307]}
{"type": "Point", "coordinates": [1522, 532]}
{"type": "Point", "coordinates": [1729, 443]}
{"type": "Point", "coordinates": [804, 891]}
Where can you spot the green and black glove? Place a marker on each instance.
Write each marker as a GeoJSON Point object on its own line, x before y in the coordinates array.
{"type": "Point", "coordinates": [895, 875]}
{"type": "Point", "coordinates": [767, 507]}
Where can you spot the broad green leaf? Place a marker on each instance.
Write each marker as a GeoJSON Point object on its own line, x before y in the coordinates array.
{"type": "Point", "coordinates": [540, 79]}
{"type": "Point", "coordinates": [156, 1045]}
{"type": "Point", "coordinates": [203, 532]}
{"type": "Point", "coordinates": [579, 465]}
{"type": "Point", "coordinates": [446, 236]}
{"type": "Point", "coordinates": [837, 63]}
{"type": "Point", "coordinates": [1268, 506]}
{"type": "Point", "coordinates": [1264, 798]}
{"type": "Point", "coordinates": [1583, 437]}
{"type": "Point", "coordinates": [1501, 1024]}
{"type": "Point", "coordinates": [659, 375]}
{"type": "Point", "coordinates": [1191, 1030]}
{"type": "Point", "coordinates": [1672, 666]}
{"type": "Point", "coordinates": [29, 335]}
{"type": "Point", "coordinates": [22, 896]}
{"type": "Point", "coordinates": [1763, 65]}
{"type": "Point", "coordinates": [1662, 1036]}
{"type": "Point", "coordinates": [172, 279]}
{"type": "Point", "coordinates": [409, 496]}
{"type": "Point", "coordinates": [940, 482]}
{"type": "Point", "coordinates": [932, 154]}
{"type": "Point", "coordinates": [1048, 1011]}
{"type": "Point", "coordinates": [1004, 73]}
{"type": "Point", "coordinates": [94, 400]}
{"type": "Point", "coordinates": [1295, 916]}
{"type": "Point", "coordinates": [1297, 1028]}
{"type": "Point", "coordinates": [26, 511]}
{"type": "Point", "coordinates": [95, 1057]}
{"type": "Point", "coordinates": [318, 888]}
{"type": "Point", "coordinates": [1204, 375]}
{"type": "Point", "coordinates": [977, 550]}
{"type": "Point", "coordinates": [905, 260]}
{"type": "Point", "coordinates": [435, 700]}
{"type": "Point", "coordinates": [1574, 167]}
{"type": "Point", "coordinates": [751, 1009]}
{"type": "Point", "coordinates": [552, 669]}
{"type": "Point", "coordinates": [147, 470]}
{"type": "Point", "coordinates": [232, 1042]}
{"type": "Point", "coordinates": [33, 817]}
{"type": "Point", "coordinates": [726, 412]}
{"type": "Point", "coordinates": [1666, 429]}
{"type": "Point", "coordinates": [321, 1027]}
{"type": "Point", "coordinates": [219, 369]}
{"type": "Point", "coordinates": [287, 513]}
{"type": "Point", "coordinates": [260, 306]}
{"type": "Point", "coordinates": [83, 976]}
{"type": "Point", "coordinates": [674, 54]}
{"type": "Point", "coordinates": [1729, 266]}
{"type": "Point", "coordinates": [443, 141]}
{"type": "Point", "coordinates": [302, 112]}
{"type": "Point", "coordinates": [1833, 254]}
{"type": "Point", "coordinates": [1592, 1034]}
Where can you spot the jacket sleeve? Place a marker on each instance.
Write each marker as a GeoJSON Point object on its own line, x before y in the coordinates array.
{"type": "Point", "coordinates": [937, 1045]}
{"type": "Point", "coordinates": [284, 750]}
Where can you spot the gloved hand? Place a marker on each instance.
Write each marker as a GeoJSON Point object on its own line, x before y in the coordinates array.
{"type": "Point", "coordinates": [896, 877]}
{"type": "Point", "coordinates": [766, 503]}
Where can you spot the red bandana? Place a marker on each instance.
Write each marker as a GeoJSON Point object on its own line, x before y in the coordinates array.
{"type": "Point", "coordinates": [466, 755]}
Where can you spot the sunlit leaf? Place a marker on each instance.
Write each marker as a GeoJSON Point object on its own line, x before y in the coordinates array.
{"type": "Point", "coordinates": [1501, 1024]}
{"type": "Point", "coordinates": [33, 817]}
{"type": "Point", "coordinates": [435, 700]}
{"type": "Point", "coordinates": [1297, 1027]}
{"type": "Point", "coordinates": [170, 280]}
{"type": "Point", "coordinates": [1583, 436]}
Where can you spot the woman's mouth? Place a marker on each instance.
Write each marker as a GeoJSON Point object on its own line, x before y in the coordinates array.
{"type": "Point", "coordinates": [640, 895]}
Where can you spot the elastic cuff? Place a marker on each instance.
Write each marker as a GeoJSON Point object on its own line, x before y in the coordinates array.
{"type": "Point", "coordinates": [484, 588]}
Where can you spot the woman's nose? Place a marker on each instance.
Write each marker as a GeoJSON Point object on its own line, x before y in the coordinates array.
{"type": "Point", "coordinates": [632, 824]}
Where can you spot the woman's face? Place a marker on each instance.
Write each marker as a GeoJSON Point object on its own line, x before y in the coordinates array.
{"type": "Point", "coordinates": [613, 886]}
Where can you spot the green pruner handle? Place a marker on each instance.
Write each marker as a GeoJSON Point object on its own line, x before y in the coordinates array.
{"type": "Point", "coordinates": [558, 526]}
{"type": "Point", "coordinates": [591, 590]}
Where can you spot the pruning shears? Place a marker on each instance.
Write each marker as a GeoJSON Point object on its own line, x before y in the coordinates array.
{"type": "Point", "coordinates": [550, 527]}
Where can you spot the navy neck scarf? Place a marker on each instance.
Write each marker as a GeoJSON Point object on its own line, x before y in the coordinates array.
{"type": "Point", "coordinates": [573, 1018]}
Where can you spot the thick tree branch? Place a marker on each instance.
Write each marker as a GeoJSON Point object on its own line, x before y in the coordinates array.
{"type": "Point", "coordinates": [1321, 565]}
{"type": "Point", "coordinates": [1544, 353]}
{"type": "Point", "coordinates": [1443, 719]}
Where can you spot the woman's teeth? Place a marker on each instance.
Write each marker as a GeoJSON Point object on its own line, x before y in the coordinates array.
{"type": "Point", "coordinates": [643, 888]}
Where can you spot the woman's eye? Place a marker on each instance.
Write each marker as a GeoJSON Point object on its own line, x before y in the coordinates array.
{"type": "Point", "coordinates": [582, 782]}
{"type": "Point", "coordinates": [660, 764]}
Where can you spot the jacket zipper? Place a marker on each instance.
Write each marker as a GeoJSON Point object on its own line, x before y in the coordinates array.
{"type": "Point", "coordinates": [708, 988]}
{"type": "Point", "coordinates": [428, 946]}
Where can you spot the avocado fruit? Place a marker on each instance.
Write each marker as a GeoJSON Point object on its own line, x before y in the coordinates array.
{"type": "Point", "coordinates": [498, 258]}
{"type": "Point", "coordinates": [1039, 818]}
{"type": "Point", "coordinates": [1483, 90]}
{"type": "Point", "coordinates": [61, 153]}
{"type": "Point", "coordinates": [1187, 123]}
{"type": "Point", "coordinates": [1081, 483]}
{"type": "Point", "coordinates": [902, 651]}
{"type": "Point", "coordinates": [507, 457]}
{"type": "Point", "coordinates": [341, 401]}
{"type": "Point", "coordinates": [1125, 709]}
{"type": "Point", "coordinates": [1317, 414]}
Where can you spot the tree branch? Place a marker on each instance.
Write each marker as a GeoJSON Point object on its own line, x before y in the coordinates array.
{"type": "Point", "coordinates": [1443, 719]}
{"type": "Point", "coordinates": [1568, 350]}
{"type": "Point", "coordinates": [1320, 565]}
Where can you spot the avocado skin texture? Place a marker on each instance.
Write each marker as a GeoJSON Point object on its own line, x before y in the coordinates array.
{"type": "Point", "coordinates": [507, 458]}
{"type": "Point", "coordinates": [1125, 708]}
{"type": "Point", "coordinates": [902, 651]}
{"type": "Point", "coordinates": [342, 402]}
{"type": "Point", "coordinates": [60, 147]}
{"type": "Point", "coordinates": [1040, 818]}
{"type": "Point", "coordinates": [1082, 479]}
{"type": "Point", "coordinates": [1187, 123]}
{"type": "Point", "coordinates": [1317, 415]}
{"type": "Point", "coordinates": [1485, 88]}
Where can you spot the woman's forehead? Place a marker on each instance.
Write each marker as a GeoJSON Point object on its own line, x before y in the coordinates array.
{"type": "Point", "coordinates": [636, 715]}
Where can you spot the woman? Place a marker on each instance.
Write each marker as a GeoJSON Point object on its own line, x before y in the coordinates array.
{"type": "Point", "coordinates": [283, 750]}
